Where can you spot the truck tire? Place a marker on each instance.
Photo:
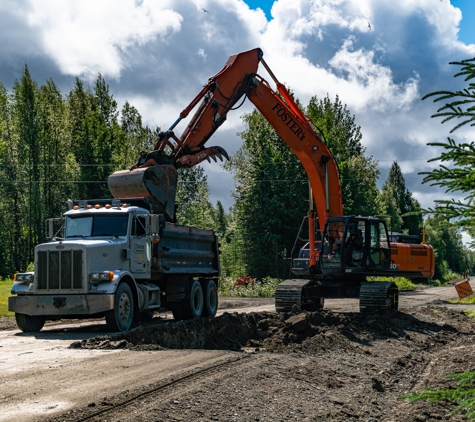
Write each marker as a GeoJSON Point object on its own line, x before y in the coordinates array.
{"type": "Point", "coordinates": [210, 298]}
{"type": "Point", "coordinates": [121, 317]}
{"type": "Point", "coordinates": [28, 323]}
{"type": "Point", "coordinates": [193, 307]}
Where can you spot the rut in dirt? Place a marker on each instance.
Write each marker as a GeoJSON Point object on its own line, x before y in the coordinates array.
{"type": "Point", "coordinates": [307, 332]}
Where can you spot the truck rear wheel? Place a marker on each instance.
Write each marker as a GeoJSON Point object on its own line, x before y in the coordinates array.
{"type": "Point", "coordinates": [121, 317]}
{"type": "Point", "coordinates": [28, 323]}
{"type": "Point", "coordinates": [193, 308]}
{"type": "Point", "coordinates": [210, 298]}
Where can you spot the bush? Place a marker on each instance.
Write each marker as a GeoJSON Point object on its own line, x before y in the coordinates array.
{"type": "Point", "coordinates": [262, 288]}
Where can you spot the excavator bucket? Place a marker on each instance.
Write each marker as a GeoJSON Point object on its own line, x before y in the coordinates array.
{"type": "Point", "coordinates": [158, 184]}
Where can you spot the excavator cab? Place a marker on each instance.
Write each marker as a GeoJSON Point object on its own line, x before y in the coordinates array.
{"type": "Point", "coordinates": [354, 245]}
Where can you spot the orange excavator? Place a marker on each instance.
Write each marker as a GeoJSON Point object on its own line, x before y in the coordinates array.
{"type": "Point", "coordinates": [349, 249]}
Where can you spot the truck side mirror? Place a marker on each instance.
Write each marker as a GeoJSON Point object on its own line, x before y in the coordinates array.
{"type": "Point", "coordinates": [157, 224]}
{"type": "Point", "coordinates": [49, 229]}
{"type": "Point", "coordinates": [154, 223]}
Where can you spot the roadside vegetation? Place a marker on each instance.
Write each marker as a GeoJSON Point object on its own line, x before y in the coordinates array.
{"type": "Point", "coordinates": [5, 287]}
{"type": "Point", "coordinates": [55, 146]}
{"type": "Point", "coordinates": [454, 215]}
{"type": "Point", "coordinates": [463, 396]}
{"type": "Point", "coordinates": [266, 287]}
{"type": "Point", "coordinates": [262, 288]}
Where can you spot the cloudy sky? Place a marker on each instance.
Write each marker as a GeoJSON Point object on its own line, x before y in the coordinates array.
{"type": "Point", "coordinates": [379, 56]}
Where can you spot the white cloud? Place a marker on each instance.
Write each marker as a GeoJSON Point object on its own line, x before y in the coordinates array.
{"type": "Point", "coordinates": [88, 37]}
{"type": "Point", "coordinates": [158, 55]}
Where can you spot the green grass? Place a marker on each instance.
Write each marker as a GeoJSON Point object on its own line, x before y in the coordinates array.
{"type": "Point", "coordinates": [5, 287]}
{"type": "Point", "coordinates": [403, 284]}
{"type": "Point", "coordinates": [470, 313]}
{"type": "Point", "coordinates": [468, 300]}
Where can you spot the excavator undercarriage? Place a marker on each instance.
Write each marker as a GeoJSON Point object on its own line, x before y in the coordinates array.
{"type": "Point", "coordinates": [308, 295]}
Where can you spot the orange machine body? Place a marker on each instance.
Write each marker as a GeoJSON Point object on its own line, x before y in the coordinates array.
{"type": "Point", "coordinates": [412, 260]}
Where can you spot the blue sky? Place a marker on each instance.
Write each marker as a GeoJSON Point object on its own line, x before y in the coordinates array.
{"type": "Point", "coordinates": [158, 54]}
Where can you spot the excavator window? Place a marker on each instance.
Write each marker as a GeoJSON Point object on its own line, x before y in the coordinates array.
{"type": "Point", "coordinates": [354, 245]}
{"type": "Point", "coordinates": [379, 246]}
{"type": "Point", "coordinates": [332, 244]}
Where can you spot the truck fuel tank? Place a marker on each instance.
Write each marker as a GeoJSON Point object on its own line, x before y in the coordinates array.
{"type": "Point", "coordinates": [158, 184]}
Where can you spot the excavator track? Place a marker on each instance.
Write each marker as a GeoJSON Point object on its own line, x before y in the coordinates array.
{"type": "Point", "coordinates": [379, 298]}
{"type": "Point", "coordinates": [301, 293]}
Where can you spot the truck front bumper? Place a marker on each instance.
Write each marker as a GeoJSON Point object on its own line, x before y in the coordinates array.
{"type": "Point", "coordinates": [58, 305]}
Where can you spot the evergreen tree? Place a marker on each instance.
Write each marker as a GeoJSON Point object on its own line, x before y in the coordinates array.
{"type": "Point", "coordinates": [192, 201]}
{"type": "Point", "coordinates": [271, 197]}
{"type": "Point", "coordinates": [358, 173]}
{"type": "Point", "coordinates": [389, 209]}
{"type": "Point", "coordinates": [25, 115]}
{"type": "Point", "coordinates": [95, 136]}
{"type": "Point", "coordinates": [58, 167]}
{"type": "Point", "coordinates": [460, 176]}
{"type": "Point", "coordinates": [12, 241]}
{"type": "Point", "coordinates": [136, 137]}
{"type": "Point", "coordinates": [405, 217]}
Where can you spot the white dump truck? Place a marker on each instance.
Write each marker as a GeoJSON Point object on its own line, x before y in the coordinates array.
{"type": "Point", "coordinates": [117, 258]}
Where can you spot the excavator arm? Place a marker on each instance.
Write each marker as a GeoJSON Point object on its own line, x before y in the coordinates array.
{"type": "Point", "coordinates": [232, 84]}
{"type": "Point", "coordinates": [217, 98]}
{"type": "Point", "coordinates": [238, 79]}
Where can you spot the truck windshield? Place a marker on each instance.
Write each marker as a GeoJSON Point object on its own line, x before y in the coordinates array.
{"type": "Point", "coordinates": [96, 225]}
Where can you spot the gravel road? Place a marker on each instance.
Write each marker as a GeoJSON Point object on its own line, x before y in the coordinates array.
{"type": "Point", "coordinates": [249, 364]}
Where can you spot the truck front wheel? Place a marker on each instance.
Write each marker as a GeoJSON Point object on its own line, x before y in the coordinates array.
{"type": "Point", "coordinates": [28, 323]}
{"type": "Point", "coordinates": [121, 317]}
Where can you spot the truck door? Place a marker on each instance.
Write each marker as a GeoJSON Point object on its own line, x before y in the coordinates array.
{"type": "Point", "coordinates": [140, 246]}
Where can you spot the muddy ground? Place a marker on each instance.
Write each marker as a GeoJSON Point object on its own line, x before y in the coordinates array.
{"type": "Point", "coordinates": [304, 366]}
{"type": "Point", "coordinates": [260, 366]}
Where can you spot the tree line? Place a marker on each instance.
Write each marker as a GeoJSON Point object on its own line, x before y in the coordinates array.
{"type": "Point", "coordinates": [54, 147]}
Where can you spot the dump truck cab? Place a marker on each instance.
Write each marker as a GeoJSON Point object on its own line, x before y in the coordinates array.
{"type": "Point", "coordinates": [117, 259]}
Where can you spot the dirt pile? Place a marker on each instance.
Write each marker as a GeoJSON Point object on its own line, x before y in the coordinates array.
{"type": "Point", "coordinates": [305, 366]}
{"type": "Point", "coordinates": [307, 332]}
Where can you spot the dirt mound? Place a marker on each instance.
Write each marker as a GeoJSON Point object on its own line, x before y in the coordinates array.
{"type": "Point", "coordinates": [307, 332]}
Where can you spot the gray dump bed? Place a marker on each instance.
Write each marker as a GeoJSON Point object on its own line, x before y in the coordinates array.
{"type": "Point", "coordinates": [186, 250]}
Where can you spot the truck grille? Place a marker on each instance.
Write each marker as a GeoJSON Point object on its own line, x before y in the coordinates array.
{"type": "Point", "coordinates": [59, 270]}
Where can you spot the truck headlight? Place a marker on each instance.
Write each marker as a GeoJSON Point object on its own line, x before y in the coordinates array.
{"type": "Point", "coordinates": [23, 277]}
{"type": "Point", "coordinates": [102, 276]}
